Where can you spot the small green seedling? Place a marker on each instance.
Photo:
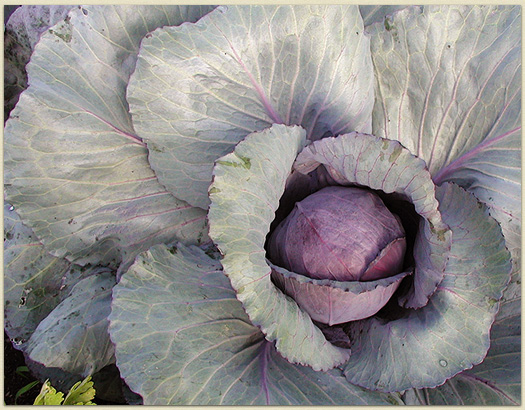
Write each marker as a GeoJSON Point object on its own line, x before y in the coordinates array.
{"type": "Point", "coordinates": [80, 394]}
{"type": "Point", "coordinates": [25, 389]}
{"type": "Point", "coordinates": [23, 371]}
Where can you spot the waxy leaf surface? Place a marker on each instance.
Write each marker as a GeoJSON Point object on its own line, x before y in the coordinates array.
{"type": "Point", "coordinates": [492, 172]}
{"type": "Point", "coordinates": [75, 169]}
{"type": "Point", "coordinates": [244, 200]}
{"type": "Point", "coordinates": [201, 88]}
{"type": "Point", "coordinates": [196, 336]}
{"type": "Point", "coordinates": [497, 380]}
{"type": "Point", "coordinates": [34, 281]}
{"type": "Point", "coordinates": [74, 336]}
{"type": "Point", "coordinates": [448, 78]}
{"type": "Point", "coordinates": [22, 32]}
{"type": "Point", "coordinates": [425, 347]}
{"type": "Point", "coordinates": [449, 89]}
{"type": "Point", "coordinates": [376, 13]}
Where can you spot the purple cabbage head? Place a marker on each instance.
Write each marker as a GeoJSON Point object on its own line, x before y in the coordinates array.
{"type": "Point", "coordinates": [339, 234]}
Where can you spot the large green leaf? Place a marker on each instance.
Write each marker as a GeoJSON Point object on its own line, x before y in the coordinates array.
{"type": "Point", "coordinates": [35, 282]}
{"type": "Point", "coordinates": [75, 169]}
{"type": "Point", "coordinates": [427, 346]}
{"type": "Point", "coordinates": [492, 172]}
{"type": "Point", "coordinates": [196, 345]}
{"type": "Point", "coordinates": [386, 166]}
{"type": "Point", "coordinates": [245, 193]}
{"type": "Point", "coordinates": [469, 129]}
{"type": "Point", "coordinates": [497, 380]}
{"type": "Point", "coordinates": [448, 78]}
{"type": "Point", "coordinates": [449, 88]}
{"type": "Point", "coordinates": [199, 89]}
{"type": "Point", "coordinates": [74, 336]}
{"type": "Point", "coordinates": [22, 31]}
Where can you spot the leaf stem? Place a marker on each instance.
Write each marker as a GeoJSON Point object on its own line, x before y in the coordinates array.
{"type": "Point", "coordinates": [456, 164]}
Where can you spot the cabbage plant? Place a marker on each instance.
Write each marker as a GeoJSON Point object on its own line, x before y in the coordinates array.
{"type": "Point", "coordinates": [270, 204]}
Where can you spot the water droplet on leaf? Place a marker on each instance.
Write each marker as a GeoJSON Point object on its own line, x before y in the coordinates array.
{"type": "Point", "coordinates": [443, 363]}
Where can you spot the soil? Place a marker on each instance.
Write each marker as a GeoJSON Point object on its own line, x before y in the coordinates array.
{"type": "Point", "coordinates": [13, 381]}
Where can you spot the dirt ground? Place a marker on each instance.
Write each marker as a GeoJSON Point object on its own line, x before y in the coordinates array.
{"type": "Point", "coordinates": [13, 381]}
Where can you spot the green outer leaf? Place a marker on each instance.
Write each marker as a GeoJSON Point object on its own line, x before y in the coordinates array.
{"type": "Point", "coordinates": [197, 346]}
{"type": "Point", "coordinates": [74, 336]}
{"type": "Point", "coordinates": [243, 204]}
{"type": "Point", "coordinates": [74, 168]}
{"type": "Point", "coordinates": [501, 370]}
{"type": "Point", "coordinates": [386, 165]}
{"type": "Point", "coordinates": [22, 32]}
{"type": "Point", "coordinates": [497, 380]}
{"type": "Point", "coordinates": [35, 282]}
{"type": "Point", "coordinates": [492, 172]}
{"type": "Point", "coordinates": [448, 78]}
{"type": "Point", "coordinates": [430, 345]}
{"type": "Point", "coordinates": [199, 89]}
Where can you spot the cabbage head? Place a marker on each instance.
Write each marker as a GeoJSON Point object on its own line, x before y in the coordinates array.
{"type": "Point", "coordinates": [303, 205]}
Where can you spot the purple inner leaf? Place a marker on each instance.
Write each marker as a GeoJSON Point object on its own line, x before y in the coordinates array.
{"type": "Point", "coordinates": [339, 233]}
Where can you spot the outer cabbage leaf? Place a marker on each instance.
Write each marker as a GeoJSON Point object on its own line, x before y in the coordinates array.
{"type": "Point", "coordinates": [196, 344]}
{"type": "Point", "coordinates": [374, 14]}
{"type": "Point", "coordinates": [74, 167]}
{"type": "Point", "coordinates": [245, 193]}
{"type": "Point", "coordinates": [387, 166]}
{"type": "Point", "coordinates": [35, 282]}
{"type": "Point", "coordinates": [27, 23]}
{"type": "Point", "coordinates": [201, 88]}
{"type": "Point", "coordinates": [469, 78]}
{"type": "Point", "coordinates": [472, 112]}
{"type": "Point", "coordinates": [22, 32]}
{"type": "Point", "coordinates": [74, 336]}
{"type": "Point", "coordinates": [427, 346]}
{"type": "Point", "coordinates": [497, 380]}
{"type": "Point", "coordinates": [448, 78]}
{"type": "Point", "coordinates": [492, 172]}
